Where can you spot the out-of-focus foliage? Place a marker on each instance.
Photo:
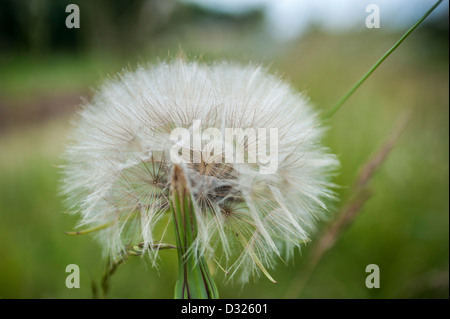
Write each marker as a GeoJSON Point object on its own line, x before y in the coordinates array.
{"type": "Point", "coordinates": [122, 26]}
{"type": "Point", "coordinates": [45, 68]}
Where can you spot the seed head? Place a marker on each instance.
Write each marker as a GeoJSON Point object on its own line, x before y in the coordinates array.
{"type": "Point", "coordinates": [121, 155]}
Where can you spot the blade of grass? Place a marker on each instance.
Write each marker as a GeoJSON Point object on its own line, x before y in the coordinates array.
{"type": "Point", "coordinates": [87, 231]}
{"type": "Point", "coordinates": [352, 90]}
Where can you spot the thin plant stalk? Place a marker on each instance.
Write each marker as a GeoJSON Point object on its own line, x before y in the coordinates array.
{"type": "Point", "coordinates": [352, 90]}
{"type": "Point", "coordinates": [194, 279]}
{"type": "Point", "coordinates": [112, 265]}
{"type": "Point", "coordinates": [349, 212]}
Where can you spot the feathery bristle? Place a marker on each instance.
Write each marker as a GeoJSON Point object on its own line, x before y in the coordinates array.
{"type": "Point", "coordinates": [119, 162]}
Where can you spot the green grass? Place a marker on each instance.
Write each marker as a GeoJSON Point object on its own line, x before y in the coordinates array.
{"type": "Point", "coordinates": [23, 74]}
{"type": "Point", "coordinates": [404, 227]}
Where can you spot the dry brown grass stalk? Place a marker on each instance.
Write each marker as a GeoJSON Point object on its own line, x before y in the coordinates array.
{"type": "Point", "coordinates": [348, 213]}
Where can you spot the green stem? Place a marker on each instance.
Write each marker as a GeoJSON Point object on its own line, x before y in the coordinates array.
{"type": "Point", "coordinates": [194, 280]}
{"type": "Point", "coordinates": [352, 90]}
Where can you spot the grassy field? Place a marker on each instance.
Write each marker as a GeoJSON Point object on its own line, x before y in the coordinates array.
{"type": "Point", "coordinates": [403, 228]}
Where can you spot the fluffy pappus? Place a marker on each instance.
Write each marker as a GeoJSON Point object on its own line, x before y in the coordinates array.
{"type": "Point", "coordinates": [119, 163]}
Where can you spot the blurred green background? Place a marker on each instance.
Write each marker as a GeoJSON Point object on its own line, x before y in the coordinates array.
{"type": "Point", "coordinates": [46, 70]}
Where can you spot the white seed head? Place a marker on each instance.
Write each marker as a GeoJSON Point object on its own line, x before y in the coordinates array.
{"type": "Point", "coordinates": [119, 163]}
